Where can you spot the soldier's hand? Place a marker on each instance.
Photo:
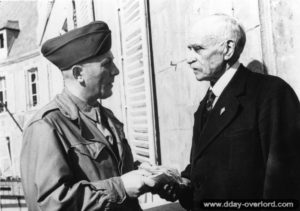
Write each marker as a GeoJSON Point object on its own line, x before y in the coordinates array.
{"type": "Point", "coordinates": [137, 182]}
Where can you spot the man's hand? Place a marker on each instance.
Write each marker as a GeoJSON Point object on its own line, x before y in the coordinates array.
{"type": "Point", "coordinates": [185, 182]}
{"type": "Point", "coordinates": [174, 191]}
{"type": "Point", "coordinates": [137, 183]}
{"type": "Point", "coordinates": [169, 192]}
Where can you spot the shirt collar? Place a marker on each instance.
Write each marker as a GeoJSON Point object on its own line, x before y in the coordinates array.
{"type": "Point", "coordinates": [223, 81]}
{"type": "Point", "coordinates": [89, 111]}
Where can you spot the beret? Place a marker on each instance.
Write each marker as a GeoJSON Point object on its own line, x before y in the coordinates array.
{"type": "Point", "coordinates": [78, 45]}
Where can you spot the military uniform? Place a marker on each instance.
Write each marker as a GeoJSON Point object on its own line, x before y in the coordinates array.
{"type": "Point", "coordinates": [68, 164]}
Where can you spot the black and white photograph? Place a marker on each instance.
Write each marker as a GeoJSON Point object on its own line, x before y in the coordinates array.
{"type": "Point", "coordinates": [149, 105]}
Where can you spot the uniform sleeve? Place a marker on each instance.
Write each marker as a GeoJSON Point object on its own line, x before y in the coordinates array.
{"type": "Point", "coordinates": [279, 126]}
{"type": "Point", "coordinates": [49, 182]}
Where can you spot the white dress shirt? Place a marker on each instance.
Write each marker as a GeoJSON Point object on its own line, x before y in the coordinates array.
{"type": "Point", "coordinates": [223, 81]}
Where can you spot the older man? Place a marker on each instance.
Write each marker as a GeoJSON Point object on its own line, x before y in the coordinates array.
{"type": "Point", "coordinates": [75, 155]}
{"type": "Point", "coordinates": [246, 137]}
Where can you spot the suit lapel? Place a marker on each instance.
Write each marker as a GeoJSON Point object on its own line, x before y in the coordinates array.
{"type": "Point", "coordinates": [219, 119]}
{"type": "Point", "coordinates": [216, 122]}
{"type": "Point", "coordinates": [198, 114]}
{"type": "Point", "coordinates": [197, 127]}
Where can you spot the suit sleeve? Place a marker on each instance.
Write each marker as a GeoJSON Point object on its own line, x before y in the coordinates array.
{"type": "Point", "coordinates": [185, 194]}
{"type": "Point", "coordinates": [49, 182]}
{"type": "Point", "coordinates": [279, 126]}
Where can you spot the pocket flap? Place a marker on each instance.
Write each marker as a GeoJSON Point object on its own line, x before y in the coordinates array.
{"type": "Point", "coordinates": [90, 149]}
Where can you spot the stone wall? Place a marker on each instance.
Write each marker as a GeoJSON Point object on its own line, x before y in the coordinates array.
{"type": "Point", "coordinates": [286, 34]}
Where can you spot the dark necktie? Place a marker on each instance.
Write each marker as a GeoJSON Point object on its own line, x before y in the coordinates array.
{"type": "Point", "coordinates": [210, 100]}
{"type": "Point", "coordinates": [210, 97]}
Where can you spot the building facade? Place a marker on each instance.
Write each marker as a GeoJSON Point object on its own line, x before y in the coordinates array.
{"type": "Point", "coordinates": [19, 72]}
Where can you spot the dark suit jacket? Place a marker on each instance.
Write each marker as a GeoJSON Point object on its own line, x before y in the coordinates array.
{"type": "Point", "coordinates": [252, 149]}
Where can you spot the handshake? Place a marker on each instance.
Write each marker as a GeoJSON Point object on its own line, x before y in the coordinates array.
{"type": "Point", "coordinates": [166, 182]}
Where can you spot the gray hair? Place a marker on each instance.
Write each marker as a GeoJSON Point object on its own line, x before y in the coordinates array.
{"type": "Point", "coordinates": [232, 30]}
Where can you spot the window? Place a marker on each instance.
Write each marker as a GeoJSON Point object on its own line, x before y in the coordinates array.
{"type": "Point", "coordinates": [3, 96]}
{"type": "Point", "coordinates": [1, 41]}
{"type": "Point", "coordinates": [33, 86]}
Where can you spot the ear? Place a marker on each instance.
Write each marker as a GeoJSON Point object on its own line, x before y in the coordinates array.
{"type": "Point", "coordinates": [229, 50]}
{"type": "Point", "coordinates": [77, 73]}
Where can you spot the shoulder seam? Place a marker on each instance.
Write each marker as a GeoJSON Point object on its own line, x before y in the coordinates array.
{"type": "Point", "coordinates": [42, 116]}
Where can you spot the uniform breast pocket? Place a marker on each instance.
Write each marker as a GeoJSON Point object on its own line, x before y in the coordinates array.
{"type": "Point", "coordinates": [91, 150]}
{"type": "Point", "coordinates": [92, 161]}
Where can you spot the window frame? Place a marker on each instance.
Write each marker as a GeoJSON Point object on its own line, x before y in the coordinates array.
{"type": "Point", "coordinates": [3, 89]}
{"type": "Point", "coordinates": [32, 103]}
{"type": "Point", "coordinates": [2, 41]}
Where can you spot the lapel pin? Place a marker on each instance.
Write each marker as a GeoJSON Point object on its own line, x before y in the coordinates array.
{"type": "Point", "coordinates": [222, 111]}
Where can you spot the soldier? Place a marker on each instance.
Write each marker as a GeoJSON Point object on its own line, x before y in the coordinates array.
{"type": "Point", "coordinates": [74, 154]}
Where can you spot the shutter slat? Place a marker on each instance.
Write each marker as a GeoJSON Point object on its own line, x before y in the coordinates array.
{"type": "Point", "coordinates": [139, 121]}
{"type": "Point", "coordinates": [142, 159]}
{"type": "Point", "coordinates": [134, 41]}
{"type": "Point", "coordinates": [134, 49]}
{"type": "Point", "coordinates": [136, 73]}
{"type": "Point", "coordinates": [140, 130]}
{"type": "Point", "coordinates": [139, 97]}
{"type": "Point", "coordinates": [135, 57]}
{"type": "Point", "coordinates": [136, 80]}
{"type": "Point", "coordinates": [136, 89]}
{"type": "Point", "coordinates": [141, 138]}
{"type": "Point", "coordinates": [135, 65]}
{"type": "Point", "coordinates": [138, 113]}
{"type": "Point", "coordinates": [138, 118]}
{"type": "Point", "coordinates": [142, 144]}
{"type": "Point", "coordinates": [129, 10]}
{"type": "Point", "coordinates": [142, 152]}
{"type": "Point", "coordinates": [134, 34]}
{"type": "Point", "coordinates": [127, 3]}
{"type": "Point", "coordinates": [133, 17]}
{"type": "Point", "coordinates": [139, 81]}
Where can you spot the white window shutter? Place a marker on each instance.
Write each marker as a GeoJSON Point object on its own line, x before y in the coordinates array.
{"type": "Point", "coordinates": [137, 80]}
{"type": "Point", "coordinates": [84, 12]}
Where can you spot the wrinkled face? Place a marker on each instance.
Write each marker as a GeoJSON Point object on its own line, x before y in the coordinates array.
{"type": "Point", "coordinates": [206, 52]}
{"type": "Point", "coordinates": [98, 74]}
